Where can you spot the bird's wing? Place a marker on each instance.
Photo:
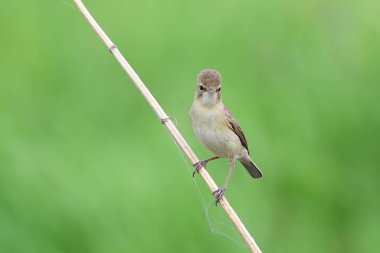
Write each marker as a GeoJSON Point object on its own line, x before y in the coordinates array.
{"type": "Point", "coordinates": [234, 126]}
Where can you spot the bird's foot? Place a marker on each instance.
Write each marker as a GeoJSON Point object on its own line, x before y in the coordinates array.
{"type": "Point", "coordinates": [218, 194]}
{"type": "Point", "coordinates": [198, 165]}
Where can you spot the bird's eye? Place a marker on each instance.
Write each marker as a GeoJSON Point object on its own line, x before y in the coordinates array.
{"type": "Point", "coordinates": [201, 87]}
{"type": "Point", "coordinates": [217, 90]}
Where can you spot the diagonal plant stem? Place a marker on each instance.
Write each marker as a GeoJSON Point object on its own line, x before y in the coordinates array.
{"type": "Point", "coordinates": [164, 118]}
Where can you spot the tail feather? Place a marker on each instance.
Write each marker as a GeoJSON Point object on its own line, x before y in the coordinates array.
{"type": "Point", "coordinates": [252, 168]}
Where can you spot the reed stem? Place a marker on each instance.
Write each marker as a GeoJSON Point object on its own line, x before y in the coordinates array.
{"type": "Point", "coordinates": [163, 117]}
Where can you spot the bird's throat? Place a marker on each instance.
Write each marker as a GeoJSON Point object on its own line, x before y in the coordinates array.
{"type": "Point", "coordinates": [209, 100]}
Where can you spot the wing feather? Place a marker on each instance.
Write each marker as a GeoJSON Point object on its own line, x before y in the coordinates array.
{"type": "Point", "coordinates": [234, 126]}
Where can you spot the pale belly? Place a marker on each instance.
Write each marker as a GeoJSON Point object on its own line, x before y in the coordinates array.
{"type": "Point", "coordinates": [212, 130]}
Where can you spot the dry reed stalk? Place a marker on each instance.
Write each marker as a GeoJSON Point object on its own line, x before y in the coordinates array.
{"type": "Point", "coordinates": [170, 126]}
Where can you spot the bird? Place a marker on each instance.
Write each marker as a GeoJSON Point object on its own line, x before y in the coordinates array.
{"type": "Point", "coordinates": [218, 130]}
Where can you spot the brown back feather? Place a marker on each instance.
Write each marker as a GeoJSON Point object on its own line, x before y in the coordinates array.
{"type": "Point", "coordinates": [234, 126]}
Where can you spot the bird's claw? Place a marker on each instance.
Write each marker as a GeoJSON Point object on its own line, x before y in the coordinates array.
{"type": "Point", "coordinates": [218, 194]}
{"type": "Point", "coordinates": [198, 165]}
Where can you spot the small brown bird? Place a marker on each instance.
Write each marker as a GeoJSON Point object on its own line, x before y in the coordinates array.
{"type": "Point", "coordinates": [217, 129]}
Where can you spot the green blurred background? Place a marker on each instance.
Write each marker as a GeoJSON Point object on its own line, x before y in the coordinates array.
{"type": "Point", "coordinates": [85, 165]}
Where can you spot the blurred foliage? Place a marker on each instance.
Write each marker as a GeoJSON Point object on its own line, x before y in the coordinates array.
{"type": "Point", "coordinates": [85, 166]}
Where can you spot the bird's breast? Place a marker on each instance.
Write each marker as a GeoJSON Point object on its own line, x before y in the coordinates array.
{"type": "Point", "coordinates": [211, 127]}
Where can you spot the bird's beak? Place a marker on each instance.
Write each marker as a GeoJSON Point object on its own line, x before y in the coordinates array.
{"type": "Point", "coordinates": [211, 91]}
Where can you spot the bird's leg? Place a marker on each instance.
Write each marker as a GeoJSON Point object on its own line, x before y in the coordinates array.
{"type": "Point", "coordinates": [220, 192]}
{"type": "Point", "coordinates": [198, 165]}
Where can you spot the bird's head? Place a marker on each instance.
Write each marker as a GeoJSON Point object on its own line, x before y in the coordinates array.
{"type": "Point", "coordinates": [209, 87]}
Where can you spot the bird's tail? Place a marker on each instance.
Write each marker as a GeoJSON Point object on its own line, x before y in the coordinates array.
{"type": "Point", "coordinates": [251, 167]}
